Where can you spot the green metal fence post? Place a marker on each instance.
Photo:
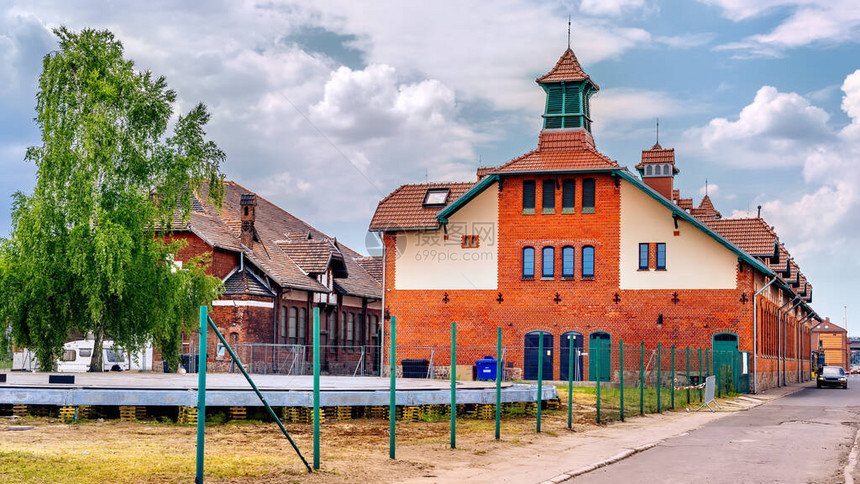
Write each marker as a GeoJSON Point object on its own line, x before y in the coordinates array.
{"type": "Point", "coordinates": [673, 376]}
{"type": "Point", "coordinates": [597, 369]}
{"type": "Point", "coordinates": [659, 383]}
{"type": "Point", "coordinates": [688, 374]}
{"type": "Point", "coordinates": [498, 382]}
{"type": "Point", "coordinates": [316, 388]}
{"type": "Point", "coordinates": [621, 375]}
{"type": "Point", "coordinates": [392, 405]}
{"type": "Point", "coordinates": [262, 398]}
{"type": "Point", "coordinates": [701, 391]}
{"type": "Point", "coordinates": [540, 381]}
{"type": "Point", "coordinates": [570, 351]}
{"type": "Point", "coordinates": [201, 393]}
{"type": "Point", "coordinates": [453, 385]}
{"type": "Point", "coordinates": [642, 378]}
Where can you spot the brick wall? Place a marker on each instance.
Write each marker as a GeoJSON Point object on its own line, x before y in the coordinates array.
{"type": "Point", "coordinates": [584, 306]}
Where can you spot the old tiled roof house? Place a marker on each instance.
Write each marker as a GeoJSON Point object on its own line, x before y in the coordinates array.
{"type": "Point", "coordinates": [276, 268]}
{"type": "Point", "coordinates": [565, 242]}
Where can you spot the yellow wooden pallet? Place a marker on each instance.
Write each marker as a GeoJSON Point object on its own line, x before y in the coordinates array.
{"type": "Point", "coordinates": [377, 412]}
{"type": "Point", "coordinates": [344, 413]}
{"type": "Point", "coordinates": [127, 413]}
{"type": "Point", "coordinates": [20, 409]}
{"type": "Point", "coordinates": [410, 414]}
{"type": "Point", "coordinates": [67, 414]}
{"type": "Point", "coordinates": [187, 415]}
{"type": "Point", "coordinates": [485, 412]}
{"type": "Point", "coordinates": [237, 413]}
{"type": "Point", "coordinates": [85, 411]}
{"type": "Point", "coordinates": [531, 409]}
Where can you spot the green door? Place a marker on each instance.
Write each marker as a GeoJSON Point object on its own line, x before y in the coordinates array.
{"type": "Point", "coordinates": [726, 362]}
{"type": "Point", "coordinates": [599, 356]}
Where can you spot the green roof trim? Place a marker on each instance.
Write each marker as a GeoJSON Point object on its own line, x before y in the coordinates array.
{"type": "Point", "coordinates": [696, 223]}
{"type": "Point", "coordinates": [465, 198]}
{"type": "Point", "coordinates": [476, 190]}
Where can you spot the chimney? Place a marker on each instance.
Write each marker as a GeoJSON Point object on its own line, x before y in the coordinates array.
{"type": "Point", "coordinates": [247, 208]}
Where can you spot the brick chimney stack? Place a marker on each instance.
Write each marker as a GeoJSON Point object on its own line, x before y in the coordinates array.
{"type": "Point", "coordinates": [248, 206]}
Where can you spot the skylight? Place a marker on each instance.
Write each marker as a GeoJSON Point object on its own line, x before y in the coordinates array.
{"type": "Point", "coordinates": [436, 196]}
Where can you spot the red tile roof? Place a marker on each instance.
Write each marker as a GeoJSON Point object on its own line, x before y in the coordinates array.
{"type": "Point", "coordinates": [566, 69]}
{"type": "Point", "coordinates": [752, 235]}
{"type": "Point", "coordinates": [706, 210]}
{"type": "Point", "coordinates": [404, 208]}
{"type": "Point", "coordinates": [560, 150]}
{"type": "Point", "coordinates": [275, 228]}
{"type": "Point", "coordinates": [658, 155]}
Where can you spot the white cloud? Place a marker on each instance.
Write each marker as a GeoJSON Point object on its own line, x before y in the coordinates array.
{"type": "Point", "coordinates": [624, 104]}
{"type": "Point", "coordinates": [610, 7]}
{"type": "Point", "coordinates": [824, 220]}
{"type": "Point", "coordinates": [811, 22]}
{"type": "Point", "coordinates": [776, 129]}
{"type": "Point", "coordinates": [711, 189]}
{"type": "Point", "coordinates": [685, 41]}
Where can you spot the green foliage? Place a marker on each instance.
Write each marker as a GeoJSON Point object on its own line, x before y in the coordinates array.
{"type": "Point", "coordinates": [86, 251]}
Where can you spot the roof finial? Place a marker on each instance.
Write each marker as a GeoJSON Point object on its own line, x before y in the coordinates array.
{"type": "Point", "coordinates": [706, 187]}
{"type": "Point", "coordinates": [658, 131]}
{"type": "Point", "coordinates": [568, 31]}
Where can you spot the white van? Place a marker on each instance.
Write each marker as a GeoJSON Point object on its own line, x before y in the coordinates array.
{"type": "Point", "coordinates": [77, 356]}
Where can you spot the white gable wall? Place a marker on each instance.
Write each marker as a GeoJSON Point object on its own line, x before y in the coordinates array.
{"type": "Point", "coordinates": [427, 261]}
{"type": "Point", "coordinates": [694, 260]}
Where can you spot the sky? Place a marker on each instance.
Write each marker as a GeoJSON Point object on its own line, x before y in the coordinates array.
{"type": "Point", "coordinates": [325, 106]}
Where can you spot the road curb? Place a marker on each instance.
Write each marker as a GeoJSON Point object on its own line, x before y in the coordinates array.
{"type": "Point", "coordinates": [592, 467]}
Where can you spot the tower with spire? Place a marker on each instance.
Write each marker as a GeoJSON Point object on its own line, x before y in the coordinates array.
{"type": "Point", "coordinates": [568, 93]}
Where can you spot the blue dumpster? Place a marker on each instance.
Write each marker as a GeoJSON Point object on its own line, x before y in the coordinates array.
{"type": "Point", "coordinates": [486, 368]}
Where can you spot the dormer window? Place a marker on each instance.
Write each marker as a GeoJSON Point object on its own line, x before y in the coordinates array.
{"type": "Point", "coordinates": [436, 197]}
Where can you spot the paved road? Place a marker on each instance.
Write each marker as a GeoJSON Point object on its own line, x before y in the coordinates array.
{"type": "Point", "coordinates": [803, 437]}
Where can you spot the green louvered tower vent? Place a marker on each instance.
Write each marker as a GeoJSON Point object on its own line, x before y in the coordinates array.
{"type": "Point", "coordinates": [568, 92]}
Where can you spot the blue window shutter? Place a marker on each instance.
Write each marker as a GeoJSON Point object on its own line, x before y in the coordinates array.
{"type": "Point", "coordinates": [661, 256]}
{"type": "Point", "coordinates": [529, 194]}
{"type": "Point", "coordinates": [568, 193]}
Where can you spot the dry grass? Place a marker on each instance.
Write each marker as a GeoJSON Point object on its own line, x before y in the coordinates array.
{"type": "Point", "coordinates": [114, 451]}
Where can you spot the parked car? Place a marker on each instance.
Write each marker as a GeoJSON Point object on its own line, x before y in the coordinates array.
{"type": "Point", "coordinates": [832, 376]}
{"type": "Point", "coordinates": [854, 370]}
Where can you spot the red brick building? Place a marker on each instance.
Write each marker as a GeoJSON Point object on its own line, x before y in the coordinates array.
{"type": "Point", "coordinates": [565, 241]}
{"type": "Point", "coordinates": [276, 268]}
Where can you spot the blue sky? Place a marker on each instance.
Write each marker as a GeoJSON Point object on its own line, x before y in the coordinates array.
{"type": "Point", "coordinates": [324, 107]}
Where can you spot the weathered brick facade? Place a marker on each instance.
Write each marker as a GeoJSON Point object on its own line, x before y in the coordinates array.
{"type": "Point", "coordinates": [632, 312]}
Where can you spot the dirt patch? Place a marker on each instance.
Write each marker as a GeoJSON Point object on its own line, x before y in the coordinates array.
{"type": "Point", "coordinates": [351, 451]}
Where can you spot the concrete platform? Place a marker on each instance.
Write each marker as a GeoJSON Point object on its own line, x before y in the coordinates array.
{"type": "Point", "coordinates": [224, 389]}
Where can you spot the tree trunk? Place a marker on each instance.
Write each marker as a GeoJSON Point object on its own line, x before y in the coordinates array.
{"type": "Point", "coordinates": [96, 364]}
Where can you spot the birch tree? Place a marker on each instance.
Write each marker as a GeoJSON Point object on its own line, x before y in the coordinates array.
{"type": "Point", "coordinates": [87, 251]}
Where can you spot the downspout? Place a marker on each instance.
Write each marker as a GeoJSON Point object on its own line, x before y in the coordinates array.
{"type": "Point", "coordinates": [779, 313]}
{"type": "Point", "coordinates": [381, 341]}
{"type": "Point", "coordinates": [783, 341]}
{"type": "Point", "coordinates": [755, 332]}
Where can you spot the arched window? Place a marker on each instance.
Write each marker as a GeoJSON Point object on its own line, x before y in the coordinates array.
{"type": "Point", "coordinates": [567, 262]}
{"type": "Point", "coordinates": [649, 170]}
{"type": "Point", "coordinates": [666, 170]}
{"type": "Point", "coordinates": [528, 262]}
{"type": "Point", "coordinates": [588, 261]}
{"type": "Point", "coordinates": [548, 262]}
